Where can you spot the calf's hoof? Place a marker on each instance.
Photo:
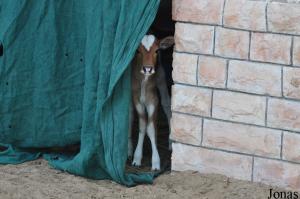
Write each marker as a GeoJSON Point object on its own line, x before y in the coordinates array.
{"type": "Point", "coordinates": [136, 162]}
{"type": "Point", "coordinates": [155, 166]}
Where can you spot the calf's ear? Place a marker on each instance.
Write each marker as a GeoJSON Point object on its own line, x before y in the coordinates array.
{"type": "Point", "coordinates": [166, 42]}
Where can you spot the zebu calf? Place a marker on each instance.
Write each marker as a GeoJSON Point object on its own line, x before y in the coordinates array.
{"type": "Point", "coordinates": [145, 82]}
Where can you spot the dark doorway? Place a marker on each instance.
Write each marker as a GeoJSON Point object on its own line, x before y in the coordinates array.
{"type": "Point", "coordinates": [163, 26]}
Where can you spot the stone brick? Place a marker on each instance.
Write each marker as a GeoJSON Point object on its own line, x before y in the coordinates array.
{"type": "Point", "coordinates": [296, 51]}
{"type": "Point", "coordinates": [232, 43]}
{"type": "Point", "coordinates": [199, 11]}
{"type": "Point", "coordinates": [290, 148]}
{"type": "Point", "coordinates": [276, 173]}
{"type": "Point", "coordinates": [186, 129]}
{"type": "Point", "coordinates": [239, 107]}
{"type": "Point", "coordinates": [291, 82]}
{"type": "Point", "coordinates": [242, 138]}
{"type": "Point", "coordinates": [245, 14]}
{"type": "Point", "coordinates": [271, 48]}
{"type": "Point", "coordinates": [284, 114]}
{"type": "Point", "coordinates": [284, 17]}
{"type": "Point", "coordinates": [209, 161]}
{"type": "Point", "coordinates": [194, 38]}
{"type": "Point", "coordinates": [184, 68]}
{"type": "Point", "coordinates": [254, 77]}
{"type": "Point", "coordinates": [192, 100]}
{"type": "Point", "coordinates": [212, 71]}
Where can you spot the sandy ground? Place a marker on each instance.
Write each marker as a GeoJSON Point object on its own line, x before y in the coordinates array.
{"type": "Point", "coordinates": [36, 180]}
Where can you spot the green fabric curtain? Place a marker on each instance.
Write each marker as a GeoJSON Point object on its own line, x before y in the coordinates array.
{"type": "Point", "coordinates": [64, 79]}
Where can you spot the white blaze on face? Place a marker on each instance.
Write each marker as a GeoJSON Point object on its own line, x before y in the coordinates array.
{"type": "Point", "coordinates": [148, 41]}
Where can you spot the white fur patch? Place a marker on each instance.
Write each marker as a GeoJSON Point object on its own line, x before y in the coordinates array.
{"type": "Point", "coordinates": [139, 109]}
{"type": "Point", "coordinates": [148, 41]}
{"type": "Point", "coordinates": [138, 154]}
{"type": "Point", "coordinates": [155, 154]}
{"type": "Point", "coordinates": [151, 109]}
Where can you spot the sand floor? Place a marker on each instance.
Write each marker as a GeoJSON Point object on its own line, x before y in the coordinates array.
{"type": "Point", "coordinates": [36, 180]}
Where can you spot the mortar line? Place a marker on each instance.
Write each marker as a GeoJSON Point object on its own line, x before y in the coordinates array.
{"type": "Point", "coordinates": [267, 110]}
{"type": "Point", "coordinates": [292, 52]}
{"type": "Point", "coordinates": [238, 153]}
{"type": "Point", "coordinates": [238, 59]}
{"type": "Point", "coordinates": [252, 170]}
{"type": "Point", "coordinates": [238, 91]}
{"type": "Point", "coordinates": [281, 144]}
{"type": "Point", "coordinates": [202, 131]}
{"type": "Point", "coordinates": [227, 73]}
{"type": "Point", "coordinates": [214, 41]}
{"type": "Point", "coordinates": [236, 122]}
{"type": "Point", "coordinates": [266, 16]}
{"type": "Point", "coordinates": [223, 12]}
{"type": "Point", "coordinates": [281, 83]}
{"type": "Point", "coordinates": [197, 71]}
{"type": "Point", "coordinates": [211, 103]}
{"type": "Point", "coordinates": [250, 41]}
{"type": "Point", "coordinates": [240, 29]}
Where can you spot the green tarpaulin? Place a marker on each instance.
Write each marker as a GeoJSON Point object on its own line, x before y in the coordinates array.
{"type": "Point", "coordinates": [64, 79]}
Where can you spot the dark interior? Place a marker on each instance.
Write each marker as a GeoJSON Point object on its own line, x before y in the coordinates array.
{"type": "Point", "coordinates": [164, 26]}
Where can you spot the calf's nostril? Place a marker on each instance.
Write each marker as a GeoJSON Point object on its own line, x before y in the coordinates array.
{"type": "Point", "coordinates": [148, 69]}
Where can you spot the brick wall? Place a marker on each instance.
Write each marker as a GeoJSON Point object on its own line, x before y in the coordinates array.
{"type": "Point", "coordinates": [236, 98]}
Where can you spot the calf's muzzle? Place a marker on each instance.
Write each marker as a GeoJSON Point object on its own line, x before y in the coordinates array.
{"type": "Point", "coordinates": [148, 70]}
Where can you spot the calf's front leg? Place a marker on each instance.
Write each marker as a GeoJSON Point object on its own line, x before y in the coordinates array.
{"type": "Point", "coordinates": [151, 132]}
{"type": "Point", "coordinates": [138, 154]}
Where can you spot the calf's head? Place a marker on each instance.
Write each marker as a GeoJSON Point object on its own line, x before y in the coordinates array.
{"type": "Point", "coordinates": [148, 52]}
